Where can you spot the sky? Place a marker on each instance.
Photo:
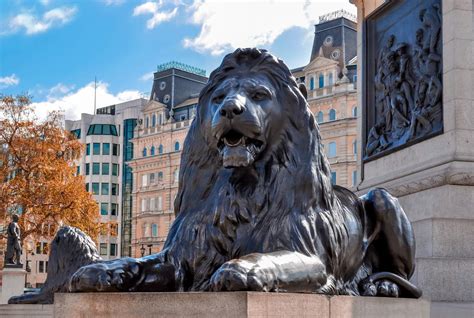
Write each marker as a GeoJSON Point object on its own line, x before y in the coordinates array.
{"type": "Point", "coordinates": [53, 49]}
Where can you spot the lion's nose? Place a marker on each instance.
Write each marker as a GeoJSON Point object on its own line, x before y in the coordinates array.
{"type": "Point", "coordinates": [230, 109]}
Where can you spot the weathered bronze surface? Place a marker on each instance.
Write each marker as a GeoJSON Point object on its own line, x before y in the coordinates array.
{"type": "Point", "coordinates": [404, 73]}
{"type": "Point", "coordinates": [13, 252]}
{"type": "Point", "coordinates": [256, 209]}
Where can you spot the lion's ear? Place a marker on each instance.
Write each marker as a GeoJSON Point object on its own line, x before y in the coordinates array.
{"type": "Point", "coordinates": [303, 90]}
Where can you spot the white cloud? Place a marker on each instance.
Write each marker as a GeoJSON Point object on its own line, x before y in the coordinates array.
{"type": "Point", "coordinates": [11, 80]}
{"type": "Point", "coordinates": [229, 24]}
{"type": "Point", "coordinates": [33, 24]}
{"type": "Point", "coordinates": [158, 15]}
{"type": "Point", "coordinates": [45, 2]}
{"type": "Point", "coordinates": [147, 77]}
{"type": "Point", "coordinates": [74, 102]}
{"type": "Point", "coordinates": [113, 2]}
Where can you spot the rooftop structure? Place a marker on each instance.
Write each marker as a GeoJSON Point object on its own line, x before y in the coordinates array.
{"type": "Point", "coordinates": [336, 15]}
{"type": "Point", "coordinates": [182, 67]}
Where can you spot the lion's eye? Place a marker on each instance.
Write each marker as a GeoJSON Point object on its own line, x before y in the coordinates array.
{"type": "Point", "coordinates": [259, 96]}
{"type": "Point", "coordinates": [218, 99]}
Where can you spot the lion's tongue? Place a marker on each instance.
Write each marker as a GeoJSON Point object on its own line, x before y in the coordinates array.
{"type": "Point", "coordinates": [237, 156]}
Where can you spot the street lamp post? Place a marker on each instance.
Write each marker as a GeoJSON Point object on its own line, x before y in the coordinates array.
{"type": "Point", "coordinates": [142, 250]}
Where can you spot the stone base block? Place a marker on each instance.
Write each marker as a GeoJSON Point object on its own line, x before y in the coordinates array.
{"type": "Point", "coordinates": [13, 283]}
{"type": "Point", "coordinates": [27, 311]}
{"type": "Point", "coordinates": [233, 304]}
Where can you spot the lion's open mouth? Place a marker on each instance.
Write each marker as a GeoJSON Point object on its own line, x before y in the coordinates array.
{"type": "Point", "coordinates": [238, 150]}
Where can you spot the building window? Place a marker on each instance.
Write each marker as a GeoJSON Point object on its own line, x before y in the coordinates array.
{"type": "Point", "coordinates": [153, 120]}
{"type": "Point", "coordinates": [152, 178]}
{"type": "Point", "coordinates": [154, 230]}
{"type": "Point", "coordinates": [87, 187]}
{"type": "Point", "coordinates": [115, 149]}
{"type": "Point", "coordinates": [354, 178]}
{"type": "Point", "coordinates": [144, 152]}
{"type": "Point", "coordinates": [152, 204]}
{"type": "Point", "coordinates": [105, 189]}
{"type": "Point", "coordinates": [102, 129]}
{"type": "Point", "coordinates": [330, 79]}
{"type": "Point", "coordinates": [41, 267]}
{"type": "Point", "coordinates": [113, 249]}
{"type": "Point", "coordinates": [328, 40]}
{"type": "Point", "coordinates": [87, 169]}
{"type": "Point", "coordinates": [176, 146]}
{"type": "Point", "coordinates": [88, 149]}
{"type": "Point", "coordinates": [320, 117]}
{"type": "Point", "coordinates": [152, 151]}
{"type": "Point", "coordinates": [95, 188]}
{"type": "Point", "coordinates": [96, 148]}
{"type": "Point", "coordinates": [103, 248]}
{"type": "Point", "coordinates": [104, 208]}
{"type": "Point", "coordinates": [336, 54]}
{"type": "Point", "coordinates": [354, 111]}
{"type": "Point", "coordinates": [78, 170]}
{"type": "Point", "coordinates": [321, 80]}
{"type": "Point", "coordinates": [160, 204]}
{"type": "Point", "coordinates": [114, 188]}
{"type": "Point", "coordinates": [96, 168]}
{"type": "Point", "coordinates": [105, 169]}
{"type": "Point", "coordinates": [176, 175]}
{"type": "Point", "coordinates": [147, 122]}
{"type": "Point", "coordinates": [333, 177]}
{"type": "Point", "coordinates": [162, 85]}
{"type": "Point", "coordinates": [354, 147]}
{"type": "Point", "coordinates": [332, 150]}
{"type": "Point", "coordinates": [160, 149]}
{"type": "Point", "coordinates": [166, 98]}
{"type": "Point", "coordinates": [114, 209]}
{"type": "Point", "coordinates": [311, 83]}
{"type": "Point", "coordinates": [113, 229]}
{"type": "Point", "coordinates": [106, 148]}
{"type": "Point", "coordinates": [160, 176]}
{"type": "Point", "coordinates": [144, 180]}
{"type": "Point", "coordinates": [160, 119]}
{"type": "Point", "coordinates": [143, 205]}
{"type": "Point", "coordinates": [115, 169]}
{"type": "Point", "coordinates": [332, 114]}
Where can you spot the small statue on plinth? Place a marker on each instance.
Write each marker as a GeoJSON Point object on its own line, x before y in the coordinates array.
{"type": "Point", "coordinates": [12, 256]}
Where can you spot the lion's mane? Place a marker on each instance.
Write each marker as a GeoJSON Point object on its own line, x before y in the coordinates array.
{"type": "Point", "coordinates": [284, 202]}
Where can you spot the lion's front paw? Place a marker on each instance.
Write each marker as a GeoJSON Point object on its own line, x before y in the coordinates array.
{"type": "Point", "coordinates": [116, 275]}
{"type": "Point", "coordinates": [383, 288]}
{"type": "Point", "coordinates": [238, 275]}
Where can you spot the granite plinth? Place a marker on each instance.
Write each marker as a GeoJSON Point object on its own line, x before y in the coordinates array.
{"type": "Point", "coordinates": [13, 283]}
{"type": "Point", "coordinates": [233, 304]}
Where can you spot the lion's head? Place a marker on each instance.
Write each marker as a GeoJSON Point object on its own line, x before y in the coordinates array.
{"type": "Point", "coordinates": [253, 124]}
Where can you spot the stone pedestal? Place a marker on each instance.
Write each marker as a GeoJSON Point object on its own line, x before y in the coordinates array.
{"type": "Point", "coordinates": [434, 179]}
{"type": "Point", "coordinates": [233, 304]}
{"type": "Point", "coordinates": [13, 283]}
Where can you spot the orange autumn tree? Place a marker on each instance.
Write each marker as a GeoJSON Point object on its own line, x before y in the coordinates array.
{"type": "Point", "coordinates": [38, 173]}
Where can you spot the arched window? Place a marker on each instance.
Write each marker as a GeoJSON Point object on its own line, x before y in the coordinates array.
{"type": "Point", "coordinates": [160, 176]}
{"type": "Point", "coordinates": [154, 230]}
{"type": "Point", "coordinates": [176, 146]}
{"type": "Point", "coordinates": [147, 122]}
{"type": "Point", "coordinates": [153, 120]}
{"type": "Point", "coordinates": [330, 79]}
{"type": "Point", "coordinates": [160, 149]}
{"type": "Point", "coordinates": [320, 117]}
{"type": "Point", "coordinates": [332, 114]}
{"type": "Point", "coordinates": [354, 147]}
{"type": "Point", "coordinates": [321, 80]}
{"type": "Point", "coordinates": [176, 175]}
{"type": "Point", "coordinates": [144, 152]}
{"type": "Point", "coordinates": [152, 151]}
{"type": "Point", "coordinates": [354, 111]}
{"type": "Point", "coordinates": [332, 150]}
{"type": "Point", "coordinates": [311, 83]}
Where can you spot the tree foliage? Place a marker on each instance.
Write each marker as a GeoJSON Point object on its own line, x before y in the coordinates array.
{"type": "Point", "coordinates": [38, 172]}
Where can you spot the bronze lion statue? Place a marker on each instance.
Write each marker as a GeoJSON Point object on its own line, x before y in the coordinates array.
{"type": "Point", "coordinates": [256, 209]}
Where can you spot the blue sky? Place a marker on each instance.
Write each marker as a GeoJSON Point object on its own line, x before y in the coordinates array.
{"type": "Point", "coordinates": [53, 48]}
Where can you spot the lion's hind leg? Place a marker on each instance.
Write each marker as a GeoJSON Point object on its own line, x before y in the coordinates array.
{"type": "Point", "coordinates": [391, 252]}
